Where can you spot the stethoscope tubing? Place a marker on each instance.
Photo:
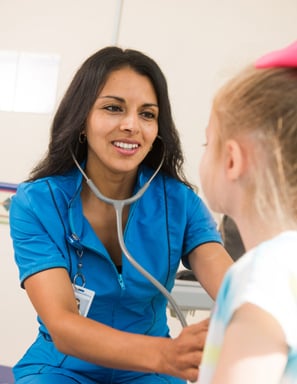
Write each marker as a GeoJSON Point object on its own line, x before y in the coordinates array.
{"type": "Point", "coordinates": [118, 206]}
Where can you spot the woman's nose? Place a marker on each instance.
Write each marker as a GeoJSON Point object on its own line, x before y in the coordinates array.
{"type": "Point", "coordinates": [130, 123]}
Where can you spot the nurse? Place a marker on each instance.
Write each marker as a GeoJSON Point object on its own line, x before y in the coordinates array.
{"type": "Point", "coordinates": [101, 321]}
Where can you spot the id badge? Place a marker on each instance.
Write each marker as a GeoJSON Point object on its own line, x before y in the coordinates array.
{"type": "Point", "coordinates": [84, 298]}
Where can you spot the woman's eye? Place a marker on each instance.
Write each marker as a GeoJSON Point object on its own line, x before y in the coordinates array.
{"type": "Point", "coordinates": [148, 115]}
{"type": "Point", "coordinates": [113, 108]}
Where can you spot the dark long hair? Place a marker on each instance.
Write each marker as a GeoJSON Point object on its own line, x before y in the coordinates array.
{"type": "Point", "coordinates": [70, 118]}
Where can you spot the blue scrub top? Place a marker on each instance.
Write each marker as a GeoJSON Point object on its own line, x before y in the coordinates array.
{"type": "Point", "coordinates": [49, 230]}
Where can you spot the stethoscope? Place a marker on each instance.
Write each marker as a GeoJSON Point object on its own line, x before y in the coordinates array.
{"type": "Point", "coordinates": [118, 206]}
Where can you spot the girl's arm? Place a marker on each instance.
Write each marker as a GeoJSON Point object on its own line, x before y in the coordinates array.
{"type": "Point", "coordinates": [254, 349]}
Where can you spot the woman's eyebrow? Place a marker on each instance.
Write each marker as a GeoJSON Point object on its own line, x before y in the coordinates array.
{"type": "Point", "coordinates": [112, 97]}
{"type": "Point", "coordinates": [120, 99]}
{"type": "Point", "coordinates": [150, 105]}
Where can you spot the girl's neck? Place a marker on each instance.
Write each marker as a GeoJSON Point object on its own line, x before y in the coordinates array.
{"type": "Point", "coordinates": [254, 230]}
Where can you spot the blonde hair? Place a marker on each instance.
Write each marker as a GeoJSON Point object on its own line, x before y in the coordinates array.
{"type": "Point", "coordinates": [262, 104]}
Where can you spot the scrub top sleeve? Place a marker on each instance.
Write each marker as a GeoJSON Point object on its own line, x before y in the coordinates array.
{"type": "Point", "coordinates": [34, 248]}
{"type": "Point", "coordinates": [201, 227]}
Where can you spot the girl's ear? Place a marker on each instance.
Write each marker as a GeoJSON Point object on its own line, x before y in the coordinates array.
{"type": "Point", "coordinates": [234, 160]}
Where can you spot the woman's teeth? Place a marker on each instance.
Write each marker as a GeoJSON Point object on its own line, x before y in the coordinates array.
{"type": "Point", "coordinates": [127, 146]}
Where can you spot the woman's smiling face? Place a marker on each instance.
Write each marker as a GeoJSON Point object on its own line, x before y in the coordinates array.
{"type": "Point", "coordinates": [123, 122]}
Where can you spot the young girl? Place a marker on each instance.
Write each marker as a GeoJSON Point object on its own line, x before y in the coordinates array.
{"type": "Point", "coordinates": [249, 172]}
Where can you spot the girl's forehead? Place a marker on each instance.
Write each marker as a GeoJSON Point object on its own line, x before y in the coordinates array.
{"type": "Point", "coordinates": [213, 122]}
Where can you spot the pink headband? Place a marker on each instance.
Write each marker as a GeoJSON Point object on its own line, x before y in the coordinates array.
{"type": "Point", "coordinates": [286, 57]}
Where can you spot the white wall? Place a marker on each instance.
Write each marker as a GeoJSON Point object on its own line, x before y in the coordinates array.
{"type": "Point", "coordinates": [197, 43]}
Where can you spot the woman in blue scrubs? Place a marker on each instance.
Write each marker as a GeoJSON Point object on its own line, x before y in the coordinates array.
{"type": "Point", "coordinates": [100, 320]}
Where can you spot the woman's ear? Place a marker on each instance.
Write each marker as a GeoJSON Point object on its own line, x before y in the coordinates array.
{"type": "Point", "coordinates": [234, 160]}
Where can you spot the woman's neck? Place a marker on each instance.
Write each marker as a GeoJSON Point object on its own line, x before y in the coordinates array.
{"type": "Point", "coordinates": [113, 185]}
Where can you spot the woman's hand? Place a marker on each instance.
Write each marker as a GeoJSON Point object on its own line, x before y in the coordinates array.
{"type": "Point", "coordinates": [183, 354]}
